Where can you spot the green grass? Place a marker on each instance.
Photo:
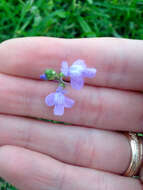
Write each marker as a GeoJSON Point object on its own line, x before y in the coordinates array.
{"type": "Point", "coordinates": [6, 186]}
{"type": "Point", "coordinates": [70, 19]}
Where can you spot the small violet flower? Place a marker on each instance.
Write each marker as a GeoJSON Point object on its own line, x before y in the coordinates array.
{"type": "Point", "coordinates": [43, 76]}
{"type": "Point", "coordinates": [59, 100]}
{"type": "Point", "coordinates": [77, 72]}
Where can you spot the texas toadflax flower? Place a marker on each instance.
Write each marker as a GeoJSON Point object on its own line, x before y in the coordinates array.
{"type": "Point", "coordinates": [77, 72]}
{"type": "Point", "coordinates": [59, 100]}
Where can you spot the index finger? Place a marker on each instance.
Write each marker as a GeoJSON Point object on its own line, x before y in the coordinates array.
{"type": "Point", "coordinates": [119, 62]}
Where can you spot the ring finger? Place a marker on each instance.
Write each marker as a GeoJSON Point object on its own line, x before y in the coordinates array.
{"type": "Point", "coordinates": [90, 148]}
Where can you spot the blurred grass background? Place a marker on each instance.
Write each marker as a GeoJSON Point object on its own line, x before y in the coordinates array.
{"type": "Point", "coordinates": [70, 19]}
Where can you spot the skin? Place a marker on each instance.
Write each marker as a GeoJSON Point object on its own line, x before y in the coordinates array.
{"type": "Point", "coordinates": [93, 152]}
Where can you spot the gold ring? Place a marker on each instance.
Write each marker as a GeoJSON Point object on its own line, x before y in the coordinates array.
{"type": "Point", "coordinates": [136, 154]}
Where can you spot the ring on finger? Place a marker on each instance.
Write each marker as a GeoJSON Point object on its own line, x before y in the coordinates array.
{"type": "Point", "coordinates": [136, 154]}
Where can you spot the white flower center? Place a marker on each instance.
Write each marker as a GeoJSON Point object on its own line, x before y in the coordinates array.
{"type": "Point", "coordinates": [59, 98]}
{"type": "Point", "coordinates": [76, 70]}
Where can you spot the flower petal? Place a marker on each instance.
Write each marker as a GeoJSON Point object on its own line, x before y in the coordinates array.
{"type": "Point", "coordinates": [69, 102]}
{"type": "Point", "coordinates": [80, 63]}
{"type": "Point", "coordinates": [89, 72]}
{"type": "Point", "coordinates": [49, 100]}
{"type": "Point", "coordinates": [59, 109]}
{"type": "Point", "coordinates": [77, 82]}
{"type": "Point", "coordinates": [64, 68]}
{"type": "Point", "coordinates": [77, 69]}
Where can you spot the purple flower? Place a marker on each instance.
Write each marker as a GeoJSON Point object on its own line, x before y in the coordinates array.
{"type": "Point", "coordinates": [43, 76]}
{"type": "Point", "coordinates": [59, 100]}
{"type": "Point", "coordinates": [77, 72]}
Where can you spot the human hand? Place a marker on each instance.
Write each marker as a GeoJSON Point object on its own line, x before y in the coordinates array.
{"type": "Point", "coordinates": [38, 155]}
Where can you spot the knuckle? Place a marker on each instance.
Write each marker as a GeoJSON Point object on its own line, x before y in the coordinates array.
{"type": "Point", "coordinates": [100, 108]}
{"type": "Point", "coordinates": [27, 137]}
{"type": "Point", "coordinates": [84, 150]}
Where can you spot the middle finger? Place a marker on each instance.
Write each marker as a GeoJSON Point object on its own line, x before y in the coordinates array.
{"type": "Point", "coordinates": [94, 107]}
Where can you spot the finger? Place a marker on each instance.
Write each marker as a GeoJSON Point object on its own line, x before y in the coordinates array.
{"type": "Point", "coordinates": [34, 171]}
{"type": "Point", "coordinates": [119, 62]}
{"type": "Point", "coordinates": [73, 145]}
{"type": "Point", "coordinates": [94, 107]}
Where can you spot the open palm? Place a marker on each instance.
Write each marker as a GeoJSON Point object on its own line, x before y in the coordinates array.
{"type": "Point", "coordinates": [92, 152]}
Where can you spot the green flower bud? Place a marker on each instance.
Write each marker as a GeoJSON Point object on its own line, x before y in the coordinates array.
{"type": "Point", "coordinates": [50, 74]}
{"type": "Point", "coordinates": [62, 85]}
{"type": "Point", "coordinates": [61, 74]}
